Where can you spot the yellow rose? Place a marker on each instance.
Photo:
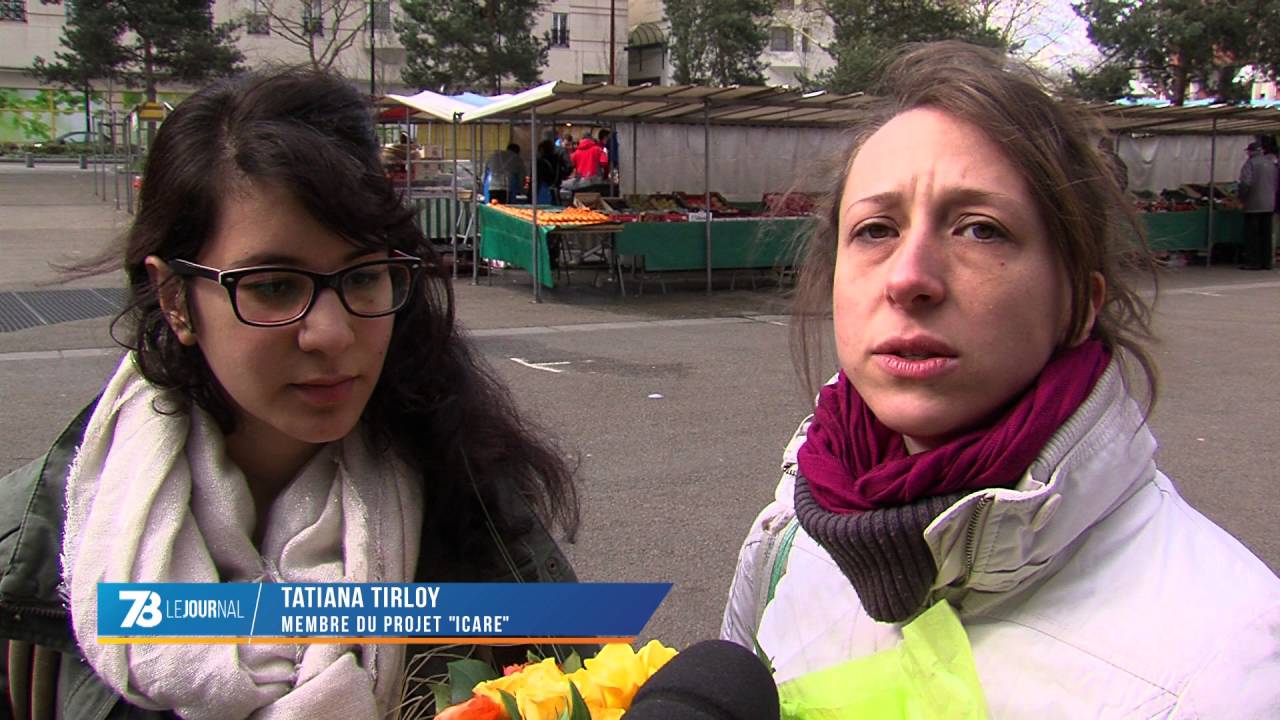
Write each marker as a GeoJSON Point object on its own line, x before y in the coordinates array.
{"type": "Point", "coordinates": [615, 673]}
{"type": "Point", "coordinates": [607, 682]}
{"type": "Point", "coordinates": [653, 656]}
{"type": "Point", "coordinates": [543, 697]}
{"type": "Point", "coordinates": [535, 685]}
{"type": "Point", "coordinates": [536, 675]}
{"type": "Point", "coordinates": [587, 688]}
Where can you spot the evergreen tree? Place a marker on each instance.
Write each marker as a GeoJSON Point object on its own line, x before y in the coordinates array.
{"type": "Point", "coordinates": [89, 52]}
{"type": "Point", "coordinates": [1107, 82]}
{"type": "Point", "coordinates": [142, 43]}
{"type": "Point", "coordinates": [866, 31]}
{"type": "Point", "coordinates": [455, 45]}
{"type": "Point", "coordinates": [718, 42]}
{"type": "Point", "coordinates": [1173, 43]}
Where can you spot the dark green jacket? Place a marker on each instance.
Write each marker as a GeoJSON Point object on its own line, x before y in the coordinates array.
{"type": "Point", "coordinates": [35, 626]}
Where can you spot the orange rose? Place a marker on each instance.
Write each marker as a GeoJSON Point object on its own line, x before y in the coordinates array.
{"type": "Point", "coordinates": [479, 707]}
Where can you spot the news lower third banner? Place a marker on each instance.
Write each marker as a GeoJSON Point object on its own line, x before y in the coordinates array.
{"type": "Point", "coordinates": [410, 613]}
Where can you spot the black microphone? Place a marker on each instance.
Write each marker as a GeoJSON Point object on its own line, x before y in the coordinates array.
{"type": "Point", "coordinates": [710, 680]}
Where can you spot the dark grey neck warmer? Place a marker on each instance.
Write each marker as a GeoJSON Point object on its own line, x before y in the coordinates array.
{"type": "Point", "coordinates": [882, 552]}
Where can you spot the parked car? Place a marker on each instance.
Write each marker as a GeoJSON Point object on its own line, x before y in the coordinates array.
{"type": "Point", "coordinates": [83, 137]}
{"type": "Point", "coordinates": [75, 137]}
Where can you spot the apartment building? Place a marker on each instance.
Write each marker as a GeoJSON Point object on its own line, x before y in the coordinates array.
{"type": "Point", "coordinates": [581, 49]}
{"type": "Point", "coordinates": [798, 32]}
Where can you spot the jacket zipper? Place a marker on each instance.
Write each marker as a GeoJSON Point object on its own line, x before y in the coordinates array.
{"type": "Point", "coordinates": [19, 609]}
{"type": "Point", "coordinates": [971, 534]}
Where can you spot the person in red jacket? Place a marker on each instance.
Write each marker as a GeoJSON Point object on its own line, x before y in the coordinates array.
{"type": "Point", "coordinates": [589, 162]}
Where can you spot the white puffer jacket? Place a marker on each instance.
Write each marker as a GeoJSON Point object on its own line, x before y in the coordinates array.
{"type": "Point", "coordinates": [1092, 589]}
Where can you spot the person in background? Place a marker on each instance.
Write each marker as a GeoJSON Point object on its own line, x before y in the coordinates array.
{"type": "Point", "coordinates": [552, 170]}
{"type": "Point", "coordinates": [1259, 177]}
{"type": "Point", "coordinates": [506, 172]}
{"type": "Point", "coordinates": [983, 453]}
{"type": "Point", "coordinates": [590, 163]}
{"type": "Point", "coordinates": [609, 142]}
{"type": "Point", "coordinates": [295, 405]}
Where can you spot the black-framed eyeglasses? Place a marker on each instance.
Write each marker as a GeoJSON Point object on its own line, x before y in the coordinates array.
{"type": "Point", "coordinates": [271, 295]}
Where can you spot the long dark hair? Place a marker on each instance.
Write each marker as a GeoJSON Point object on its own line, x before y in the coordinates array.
{"type": "Point", "coordinates": [436, 404]}
{"type": "Point", "coordinates": [1091, 224]}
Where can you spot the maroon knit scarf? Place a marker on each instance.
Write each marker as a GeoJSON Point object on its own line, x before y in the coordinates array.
{"type": "Point", "coordinates": [854, 463]}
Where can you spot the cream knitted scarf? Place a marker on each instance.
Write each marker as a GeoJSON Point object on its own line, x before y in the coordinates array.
{"type": "Point", "coordinates": [154, 498]}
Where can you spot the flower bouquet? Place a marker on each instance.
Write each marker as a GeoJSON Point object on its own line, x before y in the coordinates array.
{"type": "Point", "coordinates": [599, 688]}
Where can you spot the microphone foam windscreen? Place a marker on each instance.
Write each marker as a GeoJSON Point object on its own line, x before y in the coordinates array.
{"type": "Point", "coordinates": [710, 680]}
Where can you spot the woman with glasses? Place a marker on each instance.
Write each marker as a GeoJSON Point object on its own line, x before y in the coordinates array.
{"type": "Point", "coordinates": [297, 405]}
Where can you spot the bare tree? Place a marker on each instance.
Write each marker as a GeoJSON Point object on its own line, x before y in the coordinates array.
{"type": "Point", "coordinates": [1027, 27]}
{"type": "Point", "coordinates": [324, 28]}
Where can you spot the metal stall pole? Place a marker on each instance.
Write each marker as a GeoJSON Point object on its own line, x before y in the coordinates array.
{"type": "Point", "coordinates": [97, 152]}
{"type": "Point", "coordinates": [635, 144]}
{"type": "Point", "coordinates": [471, 235]}
{"type": "Point", "coordinates": [706, 182]}
{"type": "Point", "coordinates": [477, 185]}
{"type": "Point", "coordinates": [453, 208]}
{"type": "Point", "coordinates": [408, 156]}
{"type": "Point", "coordinates": [115, 161]}
{"type": "Point", "coordinates": [615, 188]}
{"type": "Point", "coordinates": [533, 200]}
{"type": "Point", "coordinates": [128, 162]}
{"type": "Point", "coordinates": [103, 159]}
{"type": "Point", "coordinates": [1213, 160]}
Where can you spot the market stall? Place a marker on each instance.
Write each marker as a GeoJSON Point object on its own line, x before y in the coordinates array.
{"type": "Point", "coordinates": [1174, 154]}
{"type": "Point", "coordinates": [440, 188]}
{"type": "Point", "coordinates": [1187, 231]}
{"type": "Point", "coordinates": [639, 242]}
{"type": "Point", "coordinates": [797, 129]}
{"type": "Point", "coordinates": [507, 230]}
{"type": "Point", "coordinates": [683, 105]}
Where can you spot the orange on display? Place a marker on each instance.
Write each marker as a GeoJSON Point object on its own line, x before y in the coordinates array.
{"type": "Point", "coordinates": [558, 218]}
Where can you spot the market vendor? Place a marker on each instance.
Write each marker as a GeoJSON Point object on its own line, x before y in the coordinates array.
{"type": "Point", "coordinates": [504, 174]}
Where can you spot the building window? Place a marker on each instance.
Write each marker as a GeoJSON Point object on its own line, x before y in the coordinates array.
{"type": "Point", "coordinates": [13, 10]}
{"type": "Point", "coordinates": [257, 22]}
{"type": "Point", "coordinates": [381, 15]}
{"type": "Point", "coordinates": [313, 17]}
{"type": "Point", "coordinates": [559, 29]}
{"type": "Point", "coordinates": [781, 39]}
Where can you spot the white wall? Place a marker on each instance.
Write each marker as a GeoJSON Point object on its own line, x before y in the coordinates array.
{"type": "Point", "coordinates": [746, 162]}
{"type": "Point", "coordinates": [20, 43]}
{"type": "Point", "coordinates": [588, 51]}
{"type": "Point", "coordinates": [1167, 161]}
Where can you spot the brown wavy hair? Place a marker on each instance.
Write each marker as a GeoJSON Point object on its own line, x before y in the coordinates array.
{"type": "Point", "coordinates": [436, 404]}
{"type": "Point", "coordinates": [1091, 225]}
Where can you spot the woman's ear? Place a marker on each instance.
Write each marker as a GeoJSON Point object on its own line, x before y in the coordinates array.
{"type": "Point", "coordinates": [170, 290]}
{"type": "Point", "coordinates": [1097, 296]}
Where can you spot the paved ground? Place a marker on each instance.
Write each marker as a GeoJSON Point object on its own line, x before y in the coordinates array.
{"type": "Point", "coordinates": [676, 406]}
